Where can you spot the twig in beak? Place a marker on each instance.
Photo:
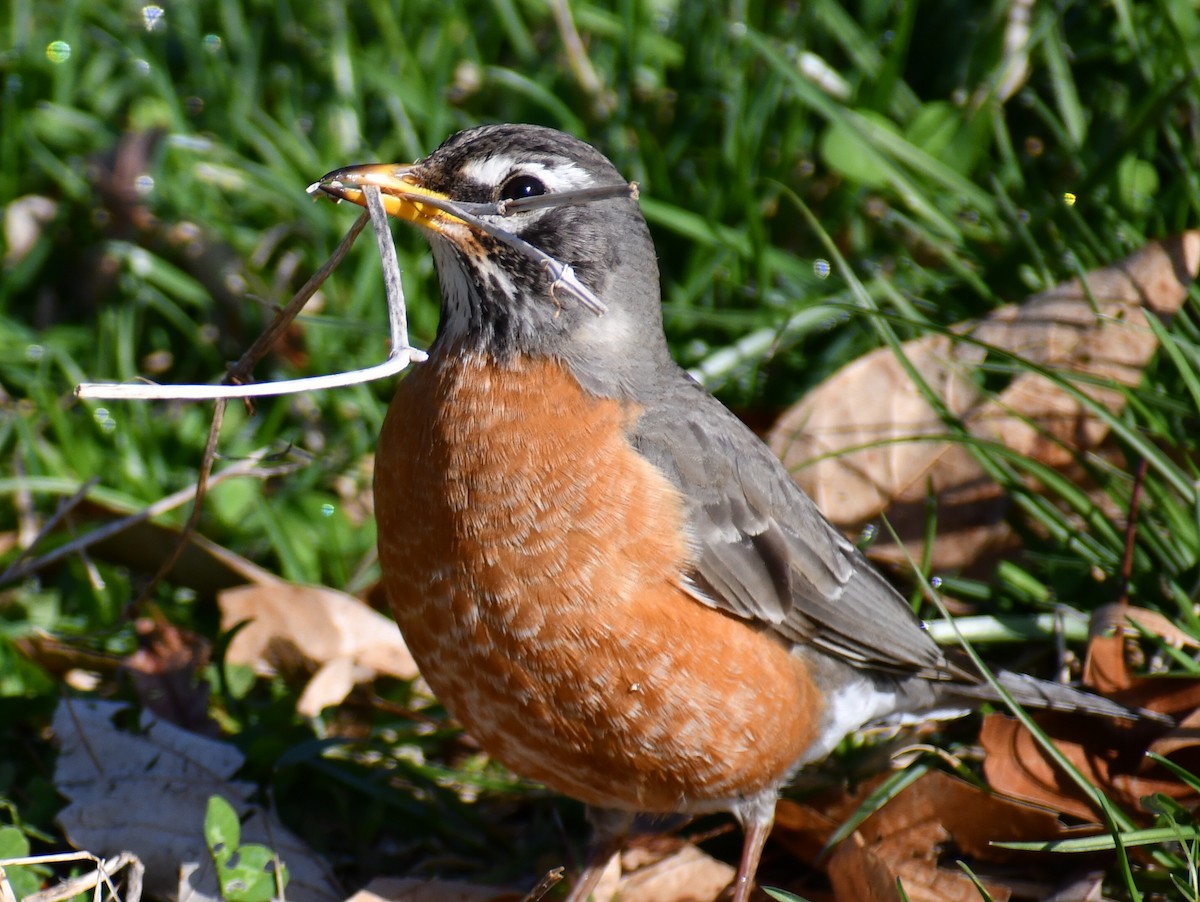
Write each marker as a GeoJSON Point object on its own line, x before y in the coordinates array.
{"type": "Point", "coordinates": [400, 356]}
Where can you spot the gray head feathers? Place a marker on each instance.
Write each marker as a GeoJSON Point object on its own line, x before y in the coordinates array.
{"type": "Point", "coordinates": [497, 300]}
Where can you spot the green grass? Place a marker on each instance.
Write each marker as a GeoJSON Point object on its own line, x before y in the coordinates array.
{"type": "Point", "coordinates": [945, 201]}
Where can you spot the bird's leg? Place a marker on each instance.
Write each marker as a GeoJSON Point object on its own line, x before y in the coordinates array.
{"type": "Point", "coordinates": [756, 824]}
{"type": "Point", "coordinates": [609, 830]}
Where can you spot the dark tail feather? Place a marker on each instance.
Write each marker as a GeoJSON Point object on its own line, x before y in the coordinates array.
{"type": "Point", "coordinates": [1034, 693]}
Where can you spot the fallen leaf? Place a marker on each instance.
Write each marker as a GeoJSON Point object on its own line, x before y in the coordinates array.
{"type": "Point", "coordinates": [147, 792]}
{"type": "Point", "coordinates": [333, 681]}
{"type": "Point", "coordinates": [652, 868]}
{"type": "Point", "coordinates": [869, 873]}
{"type": "Point", "coordinates": [942, 818]}
{"type": "Point", "coordinates": [1128, 619]}
{"type": "Point", "coordinates": [1111, 754]}
{"type": "Point", "coordinates": [204, 566]}
{"type": "Point", "coordinates": [1106, 671]}
{"type": "Point", "coordinates": [63, 660]}
{"type": "Point", "coordinates": [291, 626]}
{"type": "Point", "coordinates": [1016, 764]}
{"type": "Point", "coordinates": [164, 671]}
{"type": "Point", "coordinates": [395, 889]}
{"type": "Point", "coordinates": [668, 869]}
{"type": "Point", "coordinates": [805, 828]}
{"type": "Point", "coordinates": [918, 836]}
{"type": "Point", "coordinates": [867, 442]}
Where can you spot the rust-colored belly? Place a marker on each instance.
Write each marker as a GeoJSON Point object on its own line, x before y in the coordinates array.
{"type": "Point", "coordinates": [534, 563]}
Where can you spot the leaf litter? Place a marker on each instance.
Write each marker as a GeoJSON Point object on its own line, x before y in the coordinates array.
{"type": "Point", "coordinates": [867, 442]}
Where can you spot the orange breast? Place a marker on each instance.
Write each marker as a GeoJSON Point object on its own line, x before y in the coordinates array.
{"type": "Point", "coordinates": [534, 563]}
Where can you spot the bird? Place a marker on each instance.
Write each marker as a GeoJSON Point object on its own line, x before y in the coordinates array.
{"type": "Point", "coordinates": [602, 573]}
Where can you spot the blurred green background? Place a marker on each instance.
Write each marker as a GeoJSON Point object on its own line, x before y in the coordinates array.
{"type": "Point", "coordinates": [153, 161]}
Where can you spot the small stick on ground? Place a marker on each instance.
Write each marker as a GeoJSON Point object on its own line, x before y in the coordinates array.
{"type": "Point", "coordinates": [544, 886]}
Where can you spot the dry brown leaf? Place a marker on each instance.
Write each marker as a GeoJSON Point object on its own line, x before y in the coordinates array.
{"type": "Point", "coordinates": [941, 817]}
{"type": "Point", "coordinates": [867, 873]}
{"type": "Point", "coordinates": [1016, 764]}
{"type": "Point", "coordinates": [333, 681]}
{"type": "Point", "coordinates": [292, 627]}
{"type": "Point", "coordinates": [918, 836]}
{"type": "Point", "coordinates": [657, 868]}
{"type": "Point", "coordinates": [204, 566]}
{"type": "Point", "coordinates": [872, 402]}
{"type": "Point", "coordinates": [1126, 619]}
{"type": "Point", "coordinates": [396, 889]}
{"type": "Point", "coordinates": [1110, 753]}
{"type": "Point", "coordinates": [671, 870]}
{"type": "Point", "coordinates": [858, 873]}
{"type": "Point", "coordinates": [1106, 670]}
{"type": "Point", "coordinates": [804, 829]}
{"type": "Point", "coordinates": [164, 673]}
{"type": "Point", "coordinates": [867, 442]}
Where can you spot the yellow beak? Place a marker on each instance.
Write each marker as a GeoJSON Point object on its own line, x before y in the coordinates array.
{"type": "Point", "coordinates": [400, 190]}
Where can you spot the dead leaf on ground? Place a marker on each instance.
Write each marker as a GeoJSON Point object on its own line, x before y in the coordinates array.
{"type": "Point", "coordinates": [665, 869]}
{"type": "Point", "coordinates": [1129, 619]}
{"type": "Point", "coordinates": [292, 627]}
{"type": "Point", "coordinates": [78, 667]}
{"type": "Point", "coordinates": [143, 546]}
{"type": "Point", "coordinates": [147, 792]}
{"type": "Point", "coordinates": [164, 671]}
{"type": "Point", "coordinates": [396, 889]}
{"type": "Point", "coordinates": [1106, 668]}
{"type": "Point", "coordinates": [918, 837]}
{"type": "Point", "coordinates": [1109, 756]}
{"type": "Point", "coordinates": [1110, 753]}
{"type": "Point", "coordinates": [204, 566]}
{"type": "Point", "coordinates": [866, 441]}
{"type": "Point", "coordinates": [650, 869]}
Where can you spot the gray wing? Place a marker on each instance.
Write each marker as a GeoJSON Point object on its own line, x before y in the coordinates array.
{"type": "Point", "coordinates": [763, 550]}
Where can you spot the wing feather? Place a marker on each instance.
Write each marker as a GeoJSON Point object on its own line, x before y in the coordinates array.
{"type": "Point", "coordinates": [764, 552]}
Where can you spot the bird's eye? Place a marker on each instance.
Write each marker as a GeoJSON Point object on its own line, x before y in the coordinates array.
{"type": "Point", "coordinates": [520, 186]}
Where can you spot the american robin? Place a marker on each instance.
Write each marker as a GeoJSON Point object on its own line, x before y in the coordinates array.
{"type": "Point", "coordinates": [602, 573]}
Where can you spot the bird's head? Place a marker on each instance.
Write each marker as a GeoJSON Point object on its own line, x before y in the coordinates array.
{"type": "Point", "coordinates": [500, 299]}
